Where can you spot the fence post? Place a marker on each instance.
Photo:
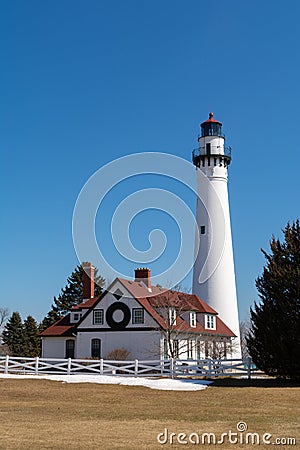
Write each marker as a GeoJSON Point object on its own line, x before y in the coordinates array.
{"type": "Point", "coordinates": [249, 367]}
{"type": "Point", "coordinates": [172, 368]}
{"type": "Point", "coordinates": [209, 368]}
{"type": "Point", "coordinates": [101, 366]}
{"type": "Point", "coordinates": [69, 366]}
{"type": "Point", "coordinates": [6, 364]}
{"type": "Point", "coordinates": [162, 366]}
{"type": "Point", "coordinates": [37, 365]}
{"type": "Point", "coordinates": [136, 367]}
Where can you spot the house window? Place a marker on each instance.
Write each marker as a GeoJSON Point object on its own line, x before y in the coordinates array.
{"type": "Point", "coordinates": [172, 316]}
{"type": "Point", "coordinates": [70, 348]}
{"type": "Point", "coordinates": [198, 349]}
{"type": "Point", "coordinates": [208, 349]}
{"type": "Point", "coordinates": [118, 294]}
{"type": "Point", "coordinates": [98, 317]}
{"type": "Point", "coordinates": [202, 229]}
{"type": "Point", "coordinates": [210, 322]}
{"type": "Point", "coordinates": [172, 347]}
{"type": "Point", "coordinates": [190, 349]}
{"type": "Point", "coordinates": [193, 319]}
{"type": "Point", "coordinates": [175, 348]}
{"type": "Point", "coordinates": [137, 315]}
{"type": "Point", "coordinates": [76, 317]}
{"type": "Point", "coordinates": [96, 348]}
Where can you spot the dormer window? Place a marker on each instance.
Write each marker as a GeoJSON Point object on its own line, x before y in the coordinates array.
{"type": "Point", "coordinates": [193, 319]}
{"type": "Point", "coordinates": [75, 317]}
{"type": "Point", "coordinates": [210, 322]}
{"type": "Point", "coordinates": [172, 316]}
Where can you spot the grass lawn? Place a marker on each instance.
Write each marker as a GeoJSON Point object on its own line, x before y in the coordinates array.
{"type": "Point", "coordinates": [40, 414]}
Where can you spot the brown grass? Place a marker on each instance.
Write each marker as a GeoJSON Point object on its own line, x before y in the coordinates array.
{"type": "Point", "coordinates": [38, 414]}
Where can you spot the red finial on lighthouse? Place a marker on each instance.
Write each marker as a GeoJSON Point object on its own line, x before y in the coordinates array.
{"type": "Point", "coordinates": [211, 119]}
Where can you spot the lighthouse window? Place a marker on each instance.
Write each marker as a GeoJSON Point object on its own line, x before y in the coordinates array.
{"type": "Point", "coordinates": [202, 229]}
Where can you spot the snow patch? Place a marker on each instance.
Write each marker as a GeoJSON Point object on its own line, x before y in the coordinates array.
{"type": "Point", "coordinates": [165, 384]}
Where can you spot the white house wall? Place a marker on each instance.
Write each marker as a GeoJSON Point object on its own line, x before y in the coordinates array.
{"type": "Point", "coordinates": [108, 300]}
{"type": "Point", "coordinates": [54, 347]}
{"type": "Point", "coordinates": [140, 344]}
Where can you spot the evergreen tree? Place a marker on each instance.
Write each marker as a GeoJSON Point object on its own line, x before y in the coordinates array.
{"type": "Point", "coordinates": [13, 335]}
{"type": "Point", "coordinates": [273, 341]}
{"type": "Point", "coordinates": [70, 296]}
{"type": "Point", "coordinates": [32, 344]}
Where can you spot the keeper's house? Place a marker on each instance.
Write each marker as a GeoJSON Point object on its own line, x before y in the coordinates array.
{"type": "Point", "coordinates": [145, 320]}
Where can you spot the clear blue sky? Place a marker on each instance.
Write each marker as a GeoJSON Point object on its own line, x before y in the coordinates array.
{"type": "Point", "coordinates": [83, 83]}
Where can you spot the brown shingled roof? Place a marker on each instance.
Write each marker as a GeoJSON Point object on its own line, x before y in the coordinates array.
{"type": "Point", "coordinates": [152, 300]}
{"type": "Point", "coordinates": [87, 304]}
{"type": "Point", "coordinates": [60, 328]}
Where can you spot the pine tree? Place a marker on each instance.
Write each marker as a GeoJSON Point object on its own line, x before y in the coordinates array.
{"type": "Point", "coordinates": [70, 296]}
{"type": "Point", "coordinates": [273, 341]}
{"type": "Point", "coordinates": [13, 335]}
{"type": "Point", "coordinates": [32, 347]}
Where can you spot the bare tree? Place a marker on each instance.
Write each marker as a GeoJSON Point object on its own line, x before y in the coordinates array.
{"type": "Point", "coordinates": [172, 309]}
{"type": "Point", "coordinates": [4, 314]}
{"type": "Point", "coordinates": [244, 332]}
{"type": "Point", "coordinates": [176, 320]}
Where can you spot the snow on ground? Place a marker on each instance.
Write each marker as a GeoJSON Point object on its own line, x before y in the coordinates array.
{"type": "Point", "coordinates": [165, 384]}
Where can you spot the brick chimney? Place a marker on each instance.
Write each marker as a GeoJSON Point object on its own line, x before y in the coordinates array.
{"type": "Point", "coordinates": [88, 280]}
{"type": "Point", "coordinates": [143, 274]}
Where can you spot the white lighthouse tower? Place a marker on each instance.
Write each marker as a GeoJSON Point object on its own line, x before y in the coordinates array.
{"type": "Point", "coordinates": [214, 277]}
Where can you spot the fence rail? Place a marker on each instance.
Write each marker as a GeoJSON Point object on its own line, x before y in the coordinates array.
{"type": "Point", "coordinates": [206, 368]}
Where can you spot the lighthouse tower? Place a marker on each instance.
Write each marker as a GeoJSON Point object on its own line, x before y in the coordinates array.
{"type": "Point", "coordinates": [213, 276]}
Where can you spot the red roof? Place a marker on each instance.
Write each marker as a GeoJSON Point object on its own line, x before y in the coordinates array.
{"type": "Point", "coordinates": [86, 304]}
{"type": "Point", "coordinates": [167, 298]}
{"type": "Point", "coordinates": [60, 328]}
{"type": "Point", "coordinates": [211, 119]}
{"type": "Point", "coordinates": [153, 301]}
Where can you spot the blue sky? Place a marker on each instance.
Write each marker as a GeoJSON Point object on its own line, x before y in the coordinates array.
{"type": "Point", "coordinates": [83, 83]}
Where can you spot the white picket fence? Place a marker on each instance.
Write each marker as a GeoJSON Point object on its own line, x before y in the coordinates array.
{"type": "Point", "coordinates": [207, 368]}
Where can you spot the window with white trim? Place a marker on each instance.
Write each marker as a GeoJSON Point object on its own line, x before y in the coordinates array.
{"type": "Point", "coordinates": [137, 315]}
{"type": "Point", "coordinates": [193, 319]}
{"type": "Point", "coordinates": [96, 348]}
{"type": "Point", "coordinates": [198, 349]}
{"type": "Point", "coordinates": [190, 346]}
{"type": "Point", "coordinates": [98, 317]}
{"type": "Point", "coordinates": [70, 348]}
{"type": "Point", "coordinates": [210, 322]}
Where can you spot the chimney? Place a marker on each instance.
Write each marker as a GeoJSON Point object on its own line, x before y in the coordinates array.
{"type": "Point", "coordinates": [88, 280]}
{"type": "Point", "coordinates": [143, 274]}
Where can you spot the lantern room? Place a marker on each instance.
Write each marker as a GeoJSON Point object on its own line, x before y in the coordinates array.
{"type": "Point", "coordinates": [211, 127]}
